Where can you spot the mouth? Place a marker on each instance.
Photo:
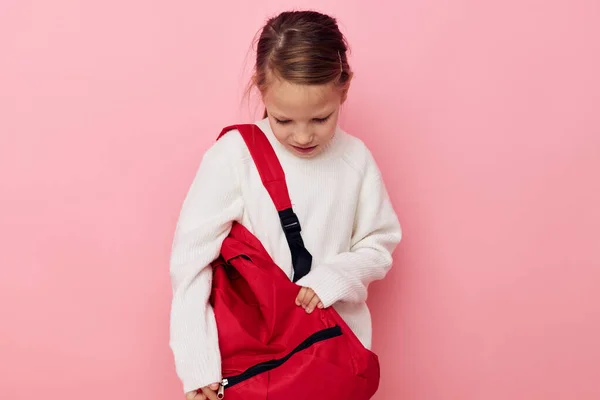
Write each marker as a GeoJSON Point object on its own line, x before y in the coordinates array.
{"type": "Point", "coordinates": [305, 150]}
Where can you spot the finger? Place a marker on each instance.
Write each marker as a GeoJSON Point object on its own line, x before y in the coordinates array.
{"type": "Point", "coordinates": [198, 395]}
{"type": "Point", "coordinates": [300, 296]}
{"type": "Point", "coordinates": [214, 386]}
{"type": "Point", "coordinates": [190, 395]}
{"type": "Point", "coordinates": [209, 393]}
{"type": "Point", "coordinates": [321, 305]}
{"type": "Point", "coordinates": [308, 297]}
{"type": "Point", "coordinates": [313, 303]}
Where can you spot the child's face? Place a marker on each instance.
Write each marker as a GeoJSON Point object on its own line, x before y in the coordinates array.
{"type": "Point", "coordinates": [303, 117]}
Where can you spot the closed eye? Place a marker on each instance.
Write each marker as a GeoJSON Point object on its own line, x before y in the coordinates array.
{"type": "Point", "coordinates": [316, 120]}
{"type": "Point", "coordinates": [321, 120]}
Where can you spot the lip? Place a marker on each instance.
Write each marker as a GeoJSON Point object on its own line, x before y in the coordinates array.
{"type": "Point", "coordinates": [305, 150]}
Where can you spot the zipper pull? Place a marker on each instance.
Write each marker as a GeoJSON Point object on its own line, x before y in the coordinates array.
{"type": "Point", "coordinates": [221, 392]}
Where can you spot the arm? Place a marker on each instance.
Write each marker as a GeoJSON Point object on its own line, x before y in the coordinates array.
{"type": "Point", "coordinates": [376, 234]}
{"type": "Point", "coordinates": [212, 203]}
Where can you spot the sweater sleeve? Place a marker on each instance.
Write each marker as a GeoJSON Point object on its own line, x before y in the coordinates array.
{"type": "Point", "coordinates": [212, 203]}
{"type": "Point", "coordinates": [376, 233]}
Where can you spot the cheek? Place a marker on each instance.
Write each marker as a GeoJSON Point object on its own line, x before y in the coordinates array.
{"type": "Point", "coordinates": [280, 132]}
{"type": "Point", "coordinates": [326, 131]}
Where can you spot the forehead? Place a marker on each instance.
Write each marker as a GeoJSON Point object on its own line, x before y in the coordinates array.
{"type": "Point", "coordinates": [301, 101]}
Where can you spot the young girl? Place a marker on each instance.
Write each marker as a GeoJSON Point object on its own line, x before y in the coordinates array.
{"type": "Point", "coordinates": [348, 223]}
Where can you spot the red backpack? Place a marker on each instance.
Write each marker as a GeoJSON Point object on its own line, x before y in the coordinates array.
{"type": "Point", "coordinates": [271, 348]}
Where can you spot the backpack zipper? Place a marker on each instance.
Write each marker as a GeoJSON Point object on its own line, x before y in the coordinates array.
{"type": "Point", "coordinates": [319, 336]}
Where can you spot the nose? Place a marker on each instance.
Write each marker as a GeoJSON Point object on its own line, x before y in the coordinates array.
{"type": "Point", "coordinates": [303, 138]}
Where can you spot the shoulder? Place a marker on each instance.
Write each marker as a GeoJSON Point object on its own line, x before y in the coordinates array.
{"type": "Point", "coordinates": [357, 155]}
{"type": "Point", "coordinates": [230, 149]}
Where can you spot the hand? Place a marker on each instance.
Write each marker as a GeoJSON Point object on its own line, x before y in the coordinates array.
{"type": "Point", "coordinates": [208, 392]}
{"type": "Point", "coordinates": [308, 300]}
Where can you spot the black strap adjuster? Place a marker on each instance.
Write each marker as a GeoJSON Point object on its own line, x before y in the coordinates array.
{"type": "Point", "coordinates": [289, 221]}
{"type": "Point", "coordinates": [301, 257]}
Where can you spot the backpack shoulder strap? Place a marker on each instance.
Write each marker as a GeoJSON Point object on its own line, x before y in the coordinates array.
{"type": "Point", "coordinates": [266, 162]}
{"type": "Point", "coordinates": [273, 179]}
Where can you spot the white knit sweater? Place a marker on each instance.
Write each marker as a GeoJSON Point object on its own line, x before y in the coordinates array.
{"type": "Point", "coordinates": [348, 225]}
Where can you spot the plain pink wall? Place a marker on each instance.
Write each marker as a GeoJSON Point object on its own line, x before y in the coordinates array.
{"type": "Point", "coordinates": [484, 117]}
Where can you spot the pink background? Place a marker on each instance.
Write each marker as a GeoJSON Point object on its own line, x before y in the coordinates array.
{"type": "Point", "coordinates": [483, 116]}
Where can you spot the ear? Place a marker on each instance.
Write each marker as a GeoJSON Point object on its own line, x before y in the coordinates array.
{"type": "Point", "coordinates": [346, 89]}
{"type": "Point", "coordinates": [344, 94]}
{"type": "Point", "coordinates": [254, 85]}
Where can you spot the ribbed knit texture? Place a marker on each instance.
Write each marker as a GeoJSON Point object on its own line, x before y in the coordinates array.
{"type": "Point", "coordinates": [348, 225]}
